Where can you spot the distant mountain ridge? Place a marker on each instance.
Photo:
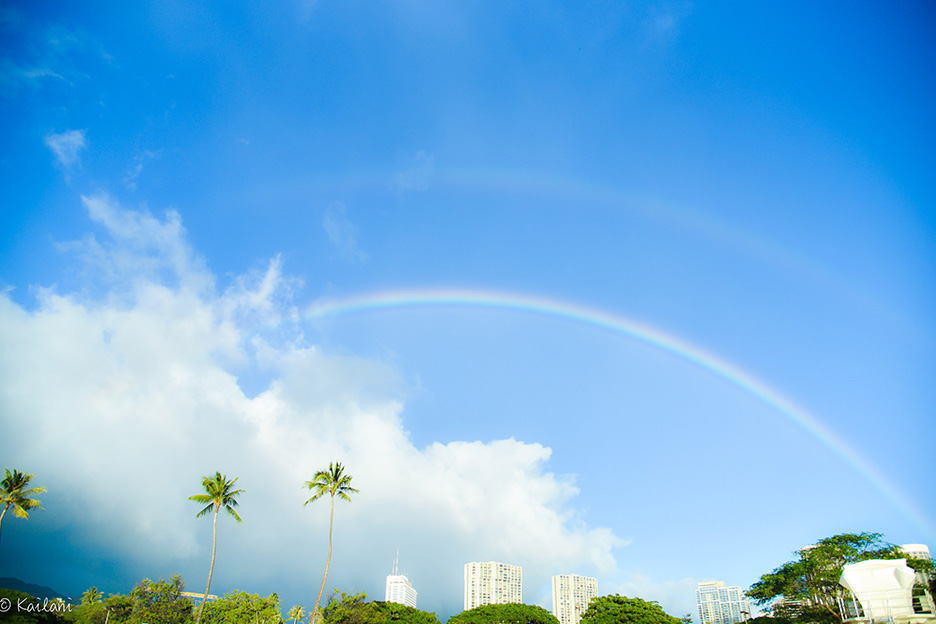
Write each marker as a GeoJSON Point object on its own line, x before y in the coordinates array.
{"type": "Point", "coordinates": [39, 591]}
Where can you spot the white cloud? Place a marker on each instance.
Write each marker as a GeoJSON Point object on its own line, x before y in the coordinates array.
{"type": "Point", "coordinates": [342, 233]}
{"type": "Point", "coordinates": [66, 146]}
{"type": "Point", "coordinates": [122, 400]}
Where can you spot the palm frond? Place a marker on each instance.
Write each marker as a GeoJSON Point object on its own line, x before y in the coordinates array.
{"type": "Point", "coordinates": [233, 513]}
{"type": "Point", "coordinates": [208, 509]}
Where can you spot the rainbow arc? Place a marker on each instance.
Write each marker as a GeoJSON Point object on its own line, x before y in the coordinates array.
{"type": "Point", "coordinates": [576, 313]}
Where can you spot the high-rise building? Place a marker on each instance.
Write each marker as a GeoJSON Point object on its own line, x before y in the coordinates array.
{"type": "Point", "coordinates": [571, 594]}
{"type": "Point", "coordinates": [492, 583]}
{"type": "Point", "coordinates": [722, 605]}
{"type": "Point", "coordinates": [400, 590]}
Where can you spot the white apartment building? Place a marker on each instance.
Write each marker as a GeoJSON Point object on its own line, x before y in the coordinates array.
{"type": "Point", "coordinates": [919, 551]}
{"type": "Point", "coordinates": [722, 605]}
{"type": "Point", "coordinates": [400, 590]}
{"type": "Point", "coordinates": [492, 583]}
{"type": "Point", "coordinates": [571, 594]}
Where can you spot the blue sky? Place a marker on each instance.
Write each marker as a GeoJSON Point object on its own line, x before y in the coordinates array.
{"type": "Point", "coordinates": [555, 245]}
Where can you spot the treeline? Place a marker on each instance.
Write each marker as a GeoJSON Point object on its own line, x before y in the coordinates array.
{"type": "Point", "coordinates": [150, 602]}
{"type": "Point", "coordinates": [163, 602]}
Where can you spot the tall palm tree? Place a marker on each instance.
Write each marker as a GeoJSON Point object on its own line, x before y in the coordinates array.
{"type": "Point", "coordinates": [296, 613]}
{"type": "Point", "coordinates": [219, 492]}
{"type": "Point", "coordinates": [333, 482]}
{"type": "Point", "coordinates": [16, 493]}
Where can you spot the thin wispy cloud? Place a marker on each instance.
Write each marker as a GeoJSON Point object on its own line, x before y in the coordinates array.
{"type": "Point", "coordinates": [664, 21]}
{"type": "Point", "coordinates": [342, 233]}
{"type": "Point", "coordinates": [66, 146]}
{"type": "Point", "coordinates": [133, 173]}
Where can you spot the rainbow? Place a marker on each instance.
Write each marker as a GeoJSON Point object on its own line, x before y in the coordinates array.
{"type": "Point", "coordinates": [459, 297]}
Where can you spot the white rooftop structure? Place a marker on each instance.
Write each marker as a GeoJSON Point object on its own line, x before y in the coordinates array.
{"type": "Point", "coordinates": [884, 589]}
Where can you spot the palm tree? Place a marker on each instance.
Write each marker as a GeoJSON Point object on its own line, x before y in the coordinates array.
{"type": "Point", "coordinates": [16, 493]}
{"type": "Point", "coordinates": [219, 492]}
{"type": "Point", "coordinates": [92, 596]}
{"type": "Point", "coordinates": [296, 613]}
{"type": "Point", "coordinates": [333, 482]}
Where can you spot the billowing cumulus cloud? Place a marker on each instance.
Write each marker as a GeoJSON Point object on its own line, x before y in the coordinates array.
{"type": "Point", "coordinates": [122, 393]}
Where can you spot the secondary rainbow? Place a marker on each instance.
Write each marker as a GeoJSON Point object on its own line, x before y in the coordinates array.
{"type": "Point", "coordinates": [451, 297]}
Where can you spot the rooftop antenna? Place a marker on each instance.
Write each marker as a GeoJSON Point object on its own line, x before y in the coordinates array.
{"type": "Point", "coordinates": [396, 562]}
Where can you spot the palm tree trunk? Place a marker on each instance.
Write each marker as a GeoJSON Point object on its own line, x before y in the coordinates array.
{"type": "Point", "coordinates": [3, 513]}
{"type": "Point", "coordinates": [331, 524]}
{"type": "Point", "coordinates": [214, 544]}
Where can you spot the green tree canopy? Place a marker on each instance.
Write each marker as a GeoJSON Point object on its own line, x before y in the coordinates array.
{"type": "Point", "coordinates": [812, 579]}
{"type": "Point", "coordinates": [243, 608]}
{"type": "Point", "coordinates": [512, 613]}
{"type": "Point", "coordinates": [150, 602]}
{"type": "Point", "coordinates": [619, 609]}
{"type": "Point", "coordinates": [120, 608]}
{"type": "Point", "coordinates": [345, 608]}
{"type": "Point", "coordinates": [90, 613]}
{"type": "Point", "coordinates": [160, 601]}
{"type": "Point", "coordinates": [91, 610]}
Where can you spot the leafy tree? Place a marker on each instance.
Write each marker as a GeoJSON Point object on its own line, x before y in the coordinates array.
{"type": "Point", "coordinates": [333, 482]}
{"type": "Point", "coordinates": [119, 607]}
{"type": "Point", "coordinates": [296, 613]}
{"type": "Point", "coordinates": [394, 612]}
{"type": "Point", "coordinates": [243, 608]}
{"type": "Point", "coordinates": [813, 578]}
{"type": "Point", "coordinates": [16, 493]}
{"type": "Point", "coordinates": [619, 609]}
{"type": "Point", "coordinates": [512, 613]}
{"type": "Point", "coordinates": [345, 608]}
{"type": "Point", "coordinates": [160, 601]}
{"type": "Point", "coordinates": [219, 492]}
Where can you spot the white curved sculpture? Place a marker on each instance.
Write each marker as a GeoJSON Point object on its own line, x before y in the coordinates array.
{"type": "Point", "coordinates": [884, 587]}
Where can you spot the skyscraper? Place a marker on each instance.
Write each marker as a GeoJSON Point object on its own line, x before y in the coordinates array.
{"type": "Point", "coordinates": [492, 583]}
{"type": "Point", "coordinates": [400, 590]}
{"type": "Point", "coordinates": [722, 605]}
{"type": "Point", "coordinates": [571, 594]}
